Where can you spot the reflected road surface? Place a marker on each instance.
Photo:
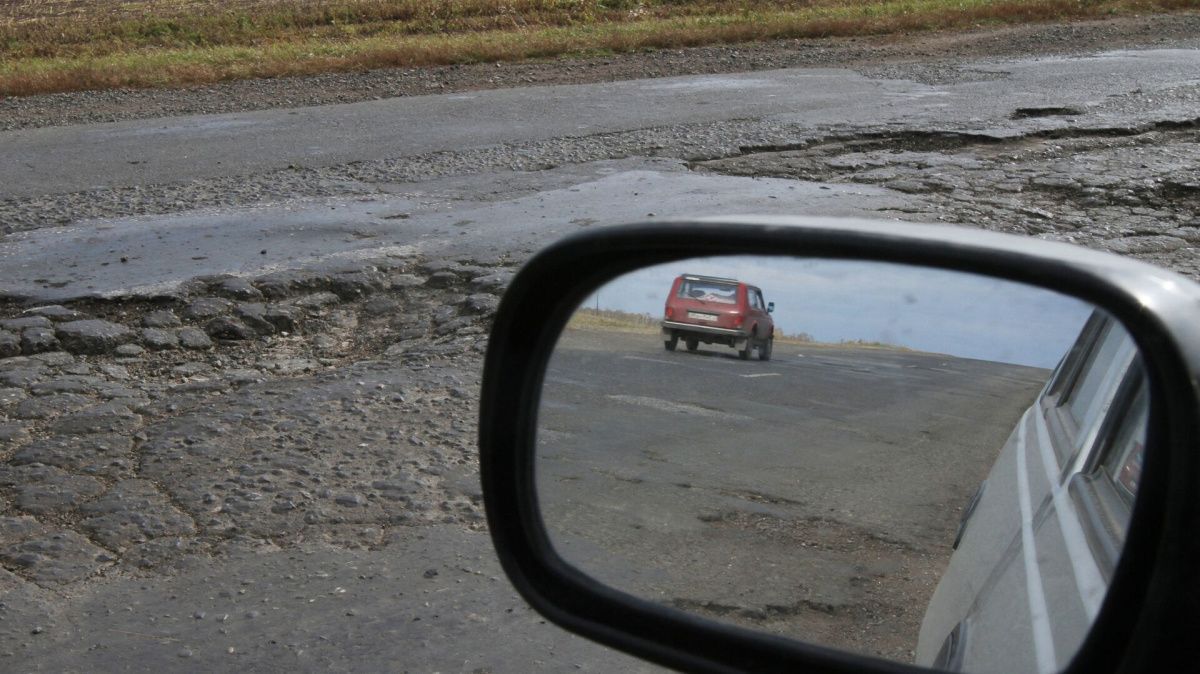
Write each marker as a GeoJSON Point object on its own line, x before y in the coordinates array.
{"type": "Point", "coordinates": [815, 495]}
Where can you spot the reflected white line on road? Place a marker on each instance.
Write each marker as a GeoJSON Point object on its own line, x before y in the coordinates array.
{"type": "Point", "coordinates": [678, 407]}
{"type": "Point", "coordinates": [648, 360]}
{"type": "Point", "coordinates": [761, 374]}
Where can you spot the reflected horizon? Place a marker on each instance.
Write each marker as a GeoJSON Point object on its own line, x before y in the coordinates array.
{"type": "Point", "coordinates": [845, 301]}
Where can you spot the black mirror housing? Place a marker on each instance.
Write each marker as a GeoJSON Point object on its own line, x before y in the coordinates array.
{"type": "Point", "coordinates": [1149, 616]}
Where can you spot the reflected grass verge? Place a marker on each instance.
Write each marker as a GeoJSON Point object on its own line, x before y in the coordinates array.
{"type": "Point", "coordinates": [613, 320]}
{"type": "Point", "coordinates": [182, 43]}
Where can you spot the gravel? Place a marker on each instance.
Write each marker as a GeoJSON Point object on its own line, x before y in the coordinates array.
{"type": "Point", "coordinates": [141, 458]}
{"type": "Point", "coordinates": [1137, 194]}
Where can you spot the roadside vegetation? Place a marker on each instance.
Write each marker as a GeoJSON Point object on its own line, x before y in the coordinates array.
{"type": "Point", "coordinates": [611, 320]}
{"type": "Point", "coordinates": [64, 45]}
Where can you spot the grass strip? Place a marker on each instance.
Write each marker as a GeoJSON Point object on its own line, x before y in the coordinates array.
{"type": "Point", "coordinates": [612, 320]}
{"type": "Point", "coordinates": [395, 43]}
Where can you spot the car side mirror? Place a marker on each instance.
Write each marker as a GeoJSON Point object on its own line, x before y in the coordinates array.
{"type": "Point", "coordinates": [979, 451]}
{"type": "Point", "coordinates": [770, 307]}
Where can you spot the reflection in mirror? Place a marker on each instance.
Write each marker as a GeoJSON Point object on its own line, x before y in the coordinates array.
{"type": "Point", "coordinates": [922, 465]}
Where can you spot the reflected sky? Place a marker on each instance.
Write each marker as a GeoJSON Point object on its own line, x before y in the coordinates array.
{"type": "Point", "coordinates": [924, 309]}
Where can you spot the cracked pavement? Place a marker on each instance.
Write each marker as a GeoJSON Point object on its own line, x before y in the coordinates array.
{"type": "Point", "coordinates": [1130, 191]}
{"type": "Point", "coordinates": [232, 394]}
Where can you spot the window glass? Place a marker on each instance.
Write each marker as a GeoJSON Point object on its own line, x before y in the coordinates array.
{"type": "Point", "coordinates": [709, 291]}
{"type": "Point", "coordinates": [1123, 465]}
{"type": "Point", "coordinates": [1067, 369]}
{"type": "Point", "coordinates": [1099, 377]}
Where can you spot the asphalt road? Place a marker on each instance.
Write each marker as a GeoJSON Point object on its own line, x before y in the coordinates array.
{"type": "Point", "coordinates": [443, 218]}
{"type": "Point", "coordinates": [72, 158]}
{"type": "Point", "coordinates": [815, 495]}
{"type": "Point", "coordinates": [515, 169]}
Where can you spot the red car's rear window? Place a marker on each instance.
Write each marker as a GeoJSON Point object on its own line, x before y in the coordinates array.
{"type": "Point", "coordinates": [709, 291]}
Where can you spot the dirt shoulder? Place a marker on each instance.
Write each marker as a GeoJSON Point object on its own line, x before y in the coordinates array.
{"type": "Point", "coordinates": [916, 56]}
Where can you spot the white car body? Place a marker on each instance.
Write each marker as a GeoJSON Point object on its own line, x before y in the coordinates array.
{"type": "Point", "coordinates": [1039, 541]}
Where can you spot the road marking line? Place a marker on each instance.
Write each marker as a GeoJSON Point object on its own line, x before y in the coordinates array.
{"type": "Point", "coordinates": [1043, 639]}
{"type": "Point", "coordinates": [762, 374]}
{"type": "Point", "coordinates": [678, 407]}
{"type": "Point", "coordinates": [1088, 581]}
{"type": "Point", "coordinates": [648, 360]}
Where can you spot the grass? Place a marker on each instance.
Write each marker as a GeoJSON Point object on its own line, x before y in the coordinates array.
{"type": "Point", "coordinates": [612, 320]}
{"type": "Point", "coordinates": [64, 45]}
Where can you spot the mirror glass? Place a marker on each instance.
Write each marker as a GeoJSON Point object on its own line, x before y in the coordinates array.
{"type": "Point", "coordinates": [928, 466]}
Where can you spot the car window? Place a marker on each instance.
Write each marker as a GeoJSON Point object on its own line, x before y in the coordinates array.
{"type": "Point", "coordinates": [1086, 399]}
{"type": "Point", "coordinates": [1122, 464]}
{"type": "Point", "coordinates": [1088, 392]}
{"type": "Point", "coordinates": [1068, 370]}
{"type": "Point", "coordinates": [709, 291]}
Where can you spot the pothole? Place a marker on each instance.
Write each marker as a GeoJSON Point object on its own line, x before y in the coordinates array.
{"type": "Point", "coordinates": [1048, 111]}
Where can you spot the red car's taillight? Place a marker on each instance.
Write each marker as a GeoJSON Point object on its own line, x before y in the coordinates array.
{"type": "Point", "coordinates": [670, 312]}
{"type": "Point", "coordinates": [738, 319]}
